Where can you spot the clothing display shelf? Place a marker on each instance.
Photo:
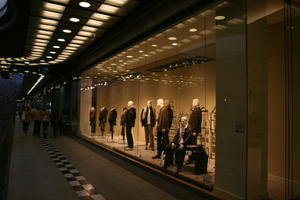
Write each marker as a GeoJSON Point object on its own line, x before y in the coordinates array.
{"type": "Point", "coordinates": [213, 122]}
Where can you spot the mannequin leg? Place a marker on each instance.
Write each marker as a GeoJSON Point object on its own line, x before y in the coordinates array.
{"type": "Point", "coordinates": [165, 140]}
{"type": "Point", "coordinates": [159, 144]}
{"type": "Point", "coordinates": [146, 128]}
{"type": "Point", "coordinates": [129, 136]}
{"type": "Point", "coordinates": [169, 156]}
{"type": "Point", "coordinates": [179, 158]}
{"type": "Point", "coordinates": [151, 138]}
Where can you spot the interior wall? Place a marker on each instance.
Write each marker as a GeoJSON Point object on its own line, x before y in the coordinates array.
{"type": "Point", "coordinates": [85, 106]}
{"type": "Point", "coordinates": [118, 94]}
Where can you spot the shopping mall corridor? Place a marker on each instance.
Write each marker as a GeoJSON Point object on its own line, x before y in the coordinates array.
{"type": "Point", "coordinates": [62, 168]}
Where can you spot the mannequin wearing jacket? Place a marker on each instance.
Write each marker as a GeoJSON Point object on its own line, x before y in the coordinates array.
{"type": "Point", "coordinates": [112, 121]}
{"type": "Point", "coordinates": [93, 119]}
{"type": "Point", "coordinates": [129, 124]}
{"type": "Point", "coordinates": [178, 145]}
{"type": "Point", "coordinates": [102, 119]}
{"type": "Point", "coordinates": [164, 123]}
{"type": "Point", "coordinates": [195, 121]}
{"type": "Point", "coordinates": [148, 119]}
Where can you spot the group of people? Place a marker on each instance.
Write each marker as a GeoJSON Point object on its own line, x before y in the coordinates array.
{"type": "Point", "coordinates": [41, 119]}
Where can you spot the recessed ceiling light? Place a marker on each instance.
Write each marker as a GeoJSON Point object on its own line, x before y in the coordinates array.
{"type": "Point", "coordinates": [146, 55]}
{"type": "Point", "coordinates": [49, 57]}
{"type": "Point", "coordinates": [26, 63]}
{"type": "Point", "coordinates": [129, 56]}
{"type": "Point", "coordinates": [84, 4]}
{"type": "Point", "coordinates": [52, 52]}
{"type": "Point", "coordinates": [113, 64]}
{"type": "Point", "coordinates": [67, 31]}
{"type": "Point", "coordinates": [74, 19]}
{"type": "Point", "coordinates": [154, 45]}
{"type": "Point", "coordinates": [141, 51]}
{"type": "Point", "coordinates": [193, 30]}
{"type": "Point", "coordinates": [220, 17]}
{"type": "Point", "coordinates": [61, 40]}
{"type": "Point", "coordinates": [42, 60]}
{"type": "Point", "coordinates": [26, 71]}
{"type": "Point", "coordinates": [56, 47]}
{"type": "Point", "coordinates": [174, 44]}
{"type": "Point", "coordinates": [172, 38]}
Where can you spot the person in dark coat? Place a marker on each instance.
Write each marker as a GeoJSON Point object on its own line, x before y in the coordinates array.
{"type": "Point", "coordinates": [148, 120]}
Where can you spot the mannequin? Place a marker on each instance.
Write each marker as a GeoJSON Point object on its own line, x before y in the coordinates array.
{"type": "Point", "coordinates": [102, 120]}
{"type": "Point", "coordinates": [195, 120]}
{"type": "Point", "coordinates": [148, 119]}
{"type": "Point", "coordinates": [93, 119]}
{"type": "Point", "coordinates": [129, 124]}
{"type": "Point", "coordinates": [178, 145]}
{"type": "Point", "coordinates": [123, 122]}
{"type": "Point", "coordinates": [112, 121]}
{"type": "Point", "coordinates": [164, 123]}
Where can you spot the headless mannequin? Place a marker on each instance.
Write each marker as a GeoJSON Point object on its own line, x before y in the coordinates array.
{"type": "Point", "coordinates": [112, 121]}
{"type": "Point", "coordinates": [102, 120]}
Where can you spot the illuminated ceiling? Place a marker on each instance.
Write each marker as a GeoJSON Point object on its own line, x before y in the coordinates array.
{"type": "Point", "coordinates": [59, 29]}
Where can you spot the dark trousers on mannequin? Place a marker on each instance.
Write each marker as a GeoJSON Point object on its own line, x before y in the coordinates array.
{"type": "Point", "coordinates": [193, 142]}
{"type": "Point", "coordinates": [162, 141]}
{"type": "Point", "coordinates": [179, 156]}
{"type": "Point", "coordinates": [123, 132]}
{"type": "Point", "coordinates": [129, 136]}
{"type": "Point", "coordinates": [112, 131]}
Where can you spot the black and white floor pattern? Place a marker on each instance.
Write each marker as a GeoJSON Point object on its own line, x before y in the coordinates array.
{"type": "Point", "coordinates": [81, 186]}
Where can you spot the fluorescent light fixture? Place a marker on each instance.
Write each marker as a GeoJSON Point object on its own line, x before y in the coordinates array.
{"type": "Point", "coordinates": [219, 17]}
{"type": "Point", "coordinates": [71, 48]}
{"type": "Point", "coordinates": [37, 47]}
{"type": "Point", "coordinates": [172, 38]}
{"type": "Point", "coordinates": [193, 30]}
{"type": "Point", "coordinates": [27, 63]}
{"type": "Point", "coordinates": [43, 36]}
{"type": "Point", "coordinates": [85, 33]}
{"type": "Point", "coordinates": [67, 31]}
{"type": "Point", "coordinates": [66, 53]}
{"type": "Point", "coordinates": [116, 2]}
{"type": "Point", "coordinates": [61, 40]}
{"type": "Point", "coordinates": [41, 41]}
{"type": "Point", "coordinates": [89, 28]}
{"type": "Point", "coordinates": [77, 41]}
{"type": "Point", "coordinates": [99, 16]}
{"type": "Point", "coordinates": [74, 19]}
{"type": "Point", "coordinates": [93, 22]}
{"type": "Point", "coordinates": [45, 32]}
{"type": "Point", "coordinates": [37, 50]}
{"type": "Point", "coordinates": [54, 7]}
{"type": "Point", "coordinates": [73, 45]}
{"type": "Point", "coordinates": [47, 27]}
{"type": "Point", "coordinates": [84, 4]}
{"type": "Point", "coordinates": [61, 1]}
{"type": "Point", "coordinates": [51, 15]}
{"type": "Point", "coordinates": [49, 57]}
{"type": "Point", "coordinates": [56, 47]}
{"type": "Point", "coordinates": [108, 8]}
{"type": "Point", "coordinates": [48, 21]}
{"type": "Point", "coordinates": [36, 83]}
{"type": "Point", "coordinates": [77, 37]}
{"type": "Point", "coordinates": [52, 52]}
{"type": "Point", "coordinates": [40, 44]}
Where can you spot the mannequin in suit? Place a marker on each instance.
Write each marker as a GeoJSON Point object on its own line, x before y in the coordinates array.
{"type": "Point", "coordinates": [112, 119]}
{"type": "Point", "coordinates": [148, 120]}
{"type": "Point", "coordinates": [129, 124]}
{"type": "Point", "coordinates": [102, 119]}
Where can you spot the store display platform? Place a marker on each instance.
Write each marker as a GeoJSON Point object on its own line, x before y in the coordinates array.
{"type": "Point", "coordinates": [139, 153]}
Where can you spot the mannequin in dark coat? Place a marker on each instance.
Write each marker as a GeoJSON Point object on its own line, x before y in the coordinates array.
{"type": "Point", "coordinates": [102, 119]}
{"type": "Point", "coordinates": [112, 119]}
{"type": "Point", "coordinates": [129, 123]}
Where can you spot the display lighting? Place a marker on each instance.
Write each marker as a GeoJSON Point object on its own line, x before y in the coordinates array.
{"type": "Point", "coordinates": [67, 31]}
{"type": "Point", "coordinates": [48, 21]}
{"type": "Point", "coordinates": [154, 45]}
{"type": "Point", "coordinates": [52, 52]}
{"type": "Point", "coordinates": [61, 40]}
{"type": "Point", "coordinates": [129, 56]}
{"type": "Point", "coordinates": [172, 38]}
{"type": "Point", "coordinates": [36, 83]}
{"type": "Point", "coordinates": [43, 36]}
{"type": "Point", "coordinates": [49, 57]}
{"type": "Point", "coordinates": [193, 30]}
{"type": "Point", "coordinates": [174, 44]}
{"type": "Point", "coordinates": [40, 44]}
{"type": "Point", "coordinates": [84, 4]}
{"type": "Point", "coordinates": [45, 32]}
{"type": "Point", "coordinates": [85, 33]}
{"type": "Point", "coordinates": [92, 22]}
{"type": "Point", "coordinates": [74, 19]}
{"type": "Point", "coordinates": [116, 2]}
{"type": "Point", "coordinates": [89, 28]}
{"type": "Point", "coordinates": [141, 51]}
{"type": "Point", "coordinates": [220, 17]}
{"type": "Point", "coordinates": [54, 7]}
